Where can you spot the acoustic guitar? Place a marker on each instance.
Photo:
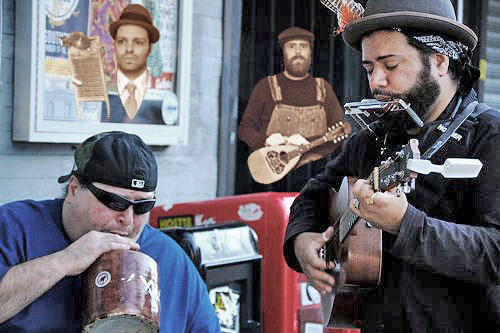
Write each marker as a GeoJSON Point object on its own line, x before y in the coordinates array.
{"type": "Point", "coordinates": [270, 164]}
{"type": "Point", "coordinates": [356, 246]}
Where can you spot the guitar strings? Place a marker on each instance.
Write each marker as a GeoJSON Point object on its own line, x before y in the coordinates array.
{"type": "Point", "coordinates": [288, 156]}
{"type": "Point", "coordinates": [341, 223]}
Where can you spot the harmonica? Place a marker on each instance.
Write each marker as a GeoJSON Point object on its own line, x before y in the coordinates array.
{"type": "Point", "coordinates": [372, 106]}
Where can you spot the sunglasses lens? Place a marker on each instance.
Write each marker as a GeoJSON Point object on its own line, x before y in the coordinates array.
{"type": "Point", "coordinates": [144, 207]}
{"type": "Point", "coordinates": [118, 203]}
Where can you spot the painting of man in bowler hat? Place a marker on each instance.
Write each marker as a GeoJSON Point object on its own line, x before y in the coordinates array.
{"type": "Point", "coordinates": [134, 35]}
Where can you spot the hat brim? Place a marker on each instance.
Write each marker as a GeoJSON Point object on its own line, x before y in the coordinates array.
{"type": "Point", "coordinates": [287, 39]}
{"type": "Point", "coordinates": [357, 29]}
{"type": "Point", "coordinates": [153, 32]}
{"type": "Point", "coordinates": [64, 179]}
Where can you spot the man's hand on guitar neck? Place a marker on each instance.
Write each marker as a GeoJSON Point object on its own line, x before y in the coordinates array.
{"type": "Point", "coordinates": [386, 210]}
{"type": "Point", "coordinates": [307, 246]}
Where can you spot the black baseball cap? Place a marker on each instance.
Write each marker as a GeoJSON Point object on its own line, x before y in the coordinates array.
{"type": "Point", "coordinates": [115, 158]}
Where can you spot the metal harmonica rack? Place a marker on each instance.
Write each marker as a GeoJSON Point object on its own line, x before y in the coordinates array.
{"type": "Point", "coordinates": [369, 107]}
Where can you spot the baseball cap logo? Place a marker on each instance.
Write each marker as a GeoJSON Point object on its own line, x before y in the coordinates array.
{"type": "Point", "coordinates": [137, 183]}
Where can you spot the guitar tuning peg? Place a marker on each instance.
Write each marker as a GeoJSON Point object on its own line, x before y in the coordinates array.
{"type": "Point", "coordinates": [341, 123]}
{"type": "Point", "coordinates": [335, 141]}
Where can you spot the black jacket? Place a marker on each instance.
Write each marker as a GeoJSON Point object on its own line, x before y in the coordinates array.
{"type": "Point", "coordinates": [441, 273]}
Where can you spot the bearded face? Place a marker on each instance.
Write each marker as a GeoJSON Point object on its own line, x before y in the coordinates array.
{"type": "Point", "coordinates": [421, 96]}
{"type": "Point", "coordinates": [297, 56]}
{"type": "Point", "coordinates": [298, 65]}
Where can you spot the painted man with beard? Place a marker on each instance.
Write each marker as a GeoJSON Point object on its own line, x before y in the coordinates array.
{"type": "Point", "coordinates": [441, 242]}
{"type": "Point", "coordinates": [291, 107]}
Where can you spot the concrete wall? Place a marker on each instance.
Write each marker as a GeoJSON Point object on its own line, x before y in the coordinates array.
{"type": "Point", "coordinates": [186, 173]}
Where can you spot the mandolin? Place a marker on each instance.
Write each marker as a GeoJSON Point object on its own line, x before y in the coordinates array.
{"type": "Point", "coordinates": [270, 164]}
{"type": "Point", "coordinates": [356, 246]}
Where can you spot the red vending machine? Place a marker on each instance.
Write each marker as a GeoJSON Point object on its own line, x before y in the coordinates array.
{"type": "Point", "coordinates": [289, 303]}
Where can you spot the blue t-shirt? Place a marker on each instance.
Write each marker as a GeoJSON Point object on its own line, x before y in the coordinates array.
{"type": "Point", "coordinates": [31, 229]}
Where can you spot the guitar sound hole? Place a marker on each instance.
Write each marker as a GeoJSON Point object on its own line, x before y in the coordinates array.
{"type": "Point", "coordinates": [283, 157]}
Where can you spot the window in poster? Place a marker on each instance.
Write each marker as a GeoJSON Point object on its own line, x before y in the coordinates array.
{"type": "Point", "coordinates": [45, 109]}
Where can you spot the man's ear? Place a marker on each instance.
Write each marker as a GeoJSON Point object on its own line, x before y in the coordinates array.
{"type": "Point", "coordinates": [150, 49]}
{"type": "Point", "coordinates": [442, 63]}
{"type": "Point", "coordinates": [73, 187]}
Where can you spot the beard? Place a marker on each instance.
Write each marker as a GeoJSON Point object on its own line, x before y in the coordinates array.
{"type": "Point", "coordinates": [421, 96]}
{"type": "Point", "coordinates": [297, 68]}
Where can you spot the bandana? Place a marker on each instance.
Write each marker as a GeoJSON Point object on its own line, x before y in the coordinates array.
{"type": "Point", "coordinates": [453, 49]}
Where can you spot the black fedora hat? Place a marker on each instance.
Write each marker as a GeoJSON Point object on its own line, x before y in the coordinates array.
{"type": "Point", "coordinates": [135, 14]}
{"type": "Point", "coordinates": [429, 15]}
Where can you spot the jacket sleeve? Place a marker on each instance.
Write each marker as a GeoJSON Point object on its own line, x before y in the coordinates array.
{"type": "Point", "coordinates": [468, 252]}
{"type": "Point", "coordinates": [251, 129]}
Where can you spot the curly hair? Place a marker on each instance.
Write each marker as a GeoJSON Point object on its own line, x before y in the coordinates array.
{"type": "Point", "coordinates": [462, 71]}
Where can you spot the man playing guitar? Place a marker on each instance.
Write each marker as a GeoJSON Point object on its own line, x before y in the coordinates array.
{"type": "Point", "coordinates": [441, 243]}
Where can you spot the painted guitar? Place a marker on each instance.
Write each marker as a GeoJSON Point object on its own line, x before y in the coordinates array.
{"type": "Point", "coordinates": [270, 164]}
{"type": "Point", "coordinates": [356, 247]}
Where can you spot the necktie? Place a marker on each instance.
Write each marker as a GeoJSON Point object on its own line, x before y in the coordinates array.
{"type": "Point", "coordinates": [130, 103]}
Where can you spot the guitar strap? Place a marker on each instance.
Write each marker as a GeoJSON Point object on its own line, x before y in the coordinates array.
{"type": "Point", "coordinates": [456, 123]}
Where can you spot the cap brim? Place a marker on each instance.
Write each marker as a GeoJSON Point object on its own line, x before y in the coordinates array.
{"type": "Point", "coordinates": [155, 34]}
{"type": "Point", "coordinates": [357, 29]}
{"type": "Point", "coordinates": [63, 179]}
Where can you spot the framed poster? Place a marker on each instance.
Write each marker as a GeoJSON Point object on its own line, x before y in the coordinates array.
{"type": "Point", "coordinates": [45, 108]}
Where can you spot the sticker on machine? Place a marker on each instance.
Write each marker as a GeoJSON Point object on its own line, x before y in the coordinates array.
{"type": "Point", "coordinates": [250, 212]}
{"type": "Point", "coordinates": [313, 328]}
{"type": "Point", "coordinates": [226, 302]}
{"type": "Point", "coordinates": [308, 294]}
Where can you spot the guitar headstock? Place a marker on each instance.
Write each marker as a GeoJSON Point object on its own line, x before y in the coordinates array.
{"type": "Point", "coordinates": [394, 171]}
{"type": "Point", "coordinates": [338, 132]}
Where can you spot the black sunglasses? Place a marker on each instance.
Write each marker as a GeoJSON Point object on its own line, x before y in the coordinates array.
{"type": "Point", "coordinates": [119, 203]}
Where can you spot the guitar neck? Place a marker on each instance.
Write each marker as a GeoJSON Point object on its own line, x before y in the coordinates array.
{"type": "Point", "coordinates": [381, 178]}
{"type": "Point", "coordinates": [304, 149]}
{"type": "Point", "coordinates": [349, 219]}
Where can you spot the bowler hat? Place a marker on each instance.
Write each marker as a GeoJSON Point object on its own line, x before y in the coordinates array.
{"type": "Point", "coordinates": [429, 15]}
{"type": "Point", "coordinates": [135, 14]}
{"type": "Point", "coordinates": [295, 33]}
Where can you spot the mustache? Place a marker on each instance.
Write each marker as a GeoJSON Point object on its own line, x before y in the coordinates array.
{"type": "Point", "coordinates": [298, 57]}
{"type": "Point", "coordinates": [389, 94]}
